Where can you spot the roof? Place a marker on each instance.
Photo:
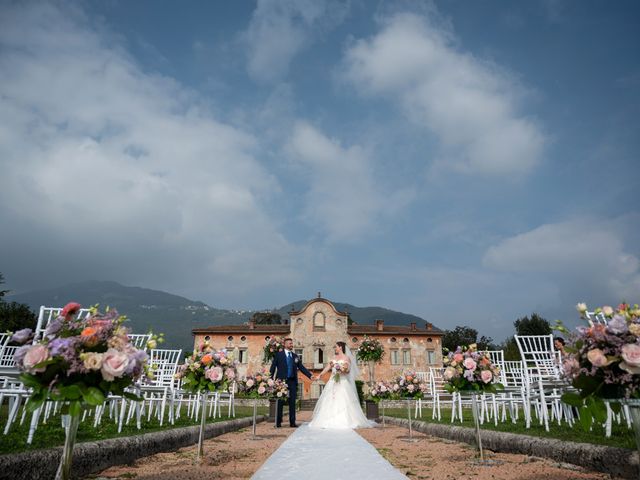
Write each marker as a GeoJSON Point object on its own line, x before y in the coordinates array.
{"type": "Point", "coordinates": [243, 329]}
{"type": "Point", "coordinates": [391, 330]}
{"type": "Point", "coordinates": [322, 300]}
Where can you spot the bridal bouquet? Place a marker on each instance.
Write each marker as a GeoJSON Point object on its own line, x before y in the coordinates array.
{"type": "Point", "coordinates": [339, 367]}
{"type": "Point", "coordinates": [261, 385]}
{"type": "Point", "coordinates": [470, 370]}
{"type": "Point", "coordinates": [370, 350]}
{"type": "Point", "coordinates": [407, 385]}
{"type": "Point", "coordinates": [207, 369]}
{"type": "Point", "coordinates": [273, 346]}
{"type": "Point", "coordinates": [603, 361]}
{"type": "Point", "coordinates": [79, 360]}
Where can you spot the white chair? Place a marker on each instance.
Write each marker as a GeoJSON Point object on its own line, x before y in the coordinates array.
{"type": "Point", "coordinates": [140, 340]}
{"type": "Point", "coordinates": [438, 392]}
{"type": "Point", "coordinates": [47, 314]}
{"type": "Point", "coordinates": [596, 318]}
{"type": "Point", "coordinates": [425, 380]}
{"type": "Point", "coordinates": [162, 388]}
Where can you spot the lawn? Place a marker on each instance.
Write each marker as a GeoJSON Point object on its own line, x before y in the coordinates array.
{"type": "Point", "coordinates": [621, 435]}
{"type": "Point", "coordinates": [51, 434]}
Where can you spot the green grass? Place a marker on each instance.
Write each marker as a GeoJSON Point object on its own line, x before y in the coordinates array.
{"type": "Point", "coordinates": [52, 435]}
{"type": "Point", "coordinates": [621, 436]}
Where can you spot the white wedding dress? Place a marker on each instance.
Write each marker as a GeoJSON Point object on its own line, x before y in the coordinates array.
{"type": "Point", "coordinates": [338, 406]}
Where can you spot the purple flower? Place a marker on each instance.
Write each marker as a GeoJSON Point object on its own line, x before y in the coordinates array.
{"type": "Point", "coordinates": [64, 347]}
{"type": "Point", "coordinates": [22, 336]}
{"type": "Point", "coordinates": [468, 374]}
{"type": "Point", "coordinates": [18, 357]}
{"type": "Point", "coordinates": [618, 325]}
{"type": "Point", "coordinates": [53, 328]}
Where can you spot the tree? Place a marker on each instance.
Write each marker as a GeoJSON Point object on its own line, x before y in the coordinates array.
{"type": "Point", "coordinates": [266, 318]}
{"type": "Point", "coordinates": [13, 315]}
{"type": "Point", "coordinates": [510, 348]}
{"type": "Point", "coordinates": [534, 325]}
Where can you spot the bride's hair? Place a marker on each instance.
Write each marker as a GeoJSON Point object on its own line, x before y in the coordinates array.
{"type": "Point", "coordinates": [343, 346]}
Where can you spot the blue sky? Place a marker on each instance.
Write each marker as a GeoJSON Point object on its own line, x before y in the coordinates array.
{"type": "Point", "coordinates": [468, 162]}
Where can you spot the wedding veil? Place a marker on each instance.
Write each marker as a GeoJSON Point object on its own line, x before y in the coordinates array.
{"type": "Point", "coordinates": [354, 371]}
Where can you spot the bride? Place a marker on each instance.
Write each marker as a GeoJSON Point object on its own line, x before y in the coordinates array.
{"type": "Point", "coordinates": [338, 406]}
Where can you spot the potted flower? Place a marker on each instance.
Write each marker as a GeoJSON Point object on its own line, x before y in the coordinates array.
{"type": "Point", "coordinates": [80, 362]}
{"type": "Point", "coordinates": [470, 371]}
{"type": "Point", "coordinates": [602, 362]}
{"type": "Point", "coordinates": [372, 352]}
{"type": "Point", "coordinates": [204, 371]}
{"type": "Point", "coordinates": [261, 385]}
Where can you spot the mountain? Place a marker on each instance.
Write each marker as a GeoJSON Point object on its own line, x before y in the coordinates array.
{"type": "Point", "coordinates": [176, 316]}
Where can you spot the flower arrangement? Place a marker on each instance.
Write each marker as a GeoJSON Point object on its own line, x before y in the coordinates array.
{"type": "Point", "coordinates": [261, 385]}
{"type": "Point", "coordinates": [380, 391]}
{"type": "Point", "coordinates": [273, 346]}
{"type": "Point", "coordinates": [407, 385]}
{"type": "Point", "coordinates": [207, 369]}
{"type": "Point", "coordinates": [79, 360]}
{"type": "Point", "coordinates": [339, 368]}
{"type": "Point", "coordinates": [470, 370]}
{"type": "Point", "coordinates": [370, 350]}
{"type": "Point", "coordinates": [603, 361]}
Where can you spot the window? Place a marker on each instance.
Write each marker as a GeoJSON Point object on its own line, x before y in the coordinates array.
{"type": "Point", "coordinates": [230, 338]}
{"type": "Point", "coordinates": [431, 357]}
{"type": "Point", "coordinates": [243, 338]}
{"type": "Point", "coordinates": [318, 321]}
{"type": "Point", "coordinates": [243, 355]}
{"type": "Point", "coordinates": [354, 339]}
{"type": "Point", "coordinates": [299, 352]}
{"type": "Point", "coordinates": [319, 357]}
{"type": "Point", "coordinates": [406, 357]}
{"type": "Point", "coordinates": [395, 357]}
{"type": "Point", "coordinates": [267, 338]}
{"type": "Point", "coordinates": [429, 340]}
{"type": "Point", "coordinates": [392, 339]}
{"type": "Point", "coordinates": [405, 340]}
{"type": "Point", "coordinates": [207, 338]}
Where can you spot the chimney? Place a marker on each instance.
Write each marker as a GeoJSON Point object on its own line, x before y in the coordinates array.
{"type": "Point", "coordinates": [252, 324]}
{"type": "Point", "coordinates": [413, 326]}
{"type": "Point", "coordinates": [429, 326]}
{"type": "Point", "coordinates": [379, 325]}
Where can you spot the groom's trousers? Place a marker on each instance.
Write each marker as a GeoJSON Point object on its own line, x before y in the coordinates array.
{"type": "Point", "coordinates": [292, 384]}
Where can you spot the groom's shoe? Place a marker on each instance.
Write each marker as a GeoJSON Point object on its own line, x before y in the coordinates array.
{"type": "Point", "coordinates": [293, 425]}
{"type": "Point", "coordinates": [278, 426]}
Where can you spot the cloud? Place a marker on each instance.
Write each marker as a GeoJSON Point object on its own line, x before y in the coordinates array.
{"type": "Point", "coordinates": [281, 29]}
{"type": "Point", "coordinates": [123, 171]}
{"type": "Point", "coordinates": [469, 105]}
{"type": "Point", "coordinates": [586, 259]}
{"type": "Point", "coordinates": [343, 195]}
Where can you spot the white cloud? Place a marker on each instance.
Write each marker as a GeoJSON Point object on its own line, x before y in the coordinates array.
{"type": "Point", "coordinates": [470, 105]}
{"type": "Point", "coordinates": [343, 196]}
{"type": "Point", "coordinates": [124, 168]}
{"type": "Point", "coordinates": [586, 259]}
{"type": "Point", "coordinates": [281, 29]}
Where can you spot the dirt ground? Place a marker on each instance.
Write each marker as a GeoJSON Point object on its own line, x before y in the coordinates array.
{"type": "Point", "coordinates": [236, 456]}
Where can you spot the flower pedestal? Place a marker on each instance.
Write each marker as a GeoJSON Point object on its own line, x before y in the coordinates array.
{"type": "Point", "coordinates": [410, 439]}
{"type": "Point", "coordinates": [371, 367]}
{"type": "Point", "coordinates": [476, 421]}
{"type": "Point", "coordinates": [71, 430]}
{"type": "Point", "coordinates": [253, 430]}
{"type": "Point", "coordinates": [203, 415]}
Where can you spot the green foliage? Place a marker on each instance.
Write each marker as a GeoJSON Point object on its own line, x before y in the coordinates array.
{"type": "Point", "coordinates": [13, 315]}
{"type": "Point", "coordinates": [510, 348]}
{"type": "Point", "coordinates": [267, 318]}
{"type": "Point", "coordinates": [533, 325]}
{"type": "Point", "coordinates": [464, 336]}
{"type": "Point", "coordinates": [359, 385]}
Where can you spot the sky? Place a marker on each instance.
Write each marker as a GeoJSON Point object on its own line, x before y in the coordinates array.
{"type": "Point", "coordinates": [466, 162]}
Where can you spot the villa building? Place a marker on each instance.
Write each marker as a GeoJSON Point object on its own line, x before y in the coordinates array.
{"type": "Point", "coordinates": [315, 329]}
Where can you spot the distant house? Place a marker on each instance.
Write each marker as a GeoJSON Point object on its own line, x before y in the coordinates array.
{"type": "Point", "coordinates": [315, 329]}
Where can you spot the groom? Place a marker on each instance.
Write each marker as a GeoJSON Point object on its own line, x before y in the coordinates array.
{"type": "Point", "coordinates": [285, 366]}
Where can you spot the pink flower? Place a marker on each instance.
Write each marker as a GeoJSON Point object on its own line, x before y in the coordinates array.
{"type": "Point", "coordinates": [230, 373]}
{"type": "Point", "coordinates": [607, 311]}
{"type": "Point", "coordinates": [486, 376]}
{"type": "Point", "coordinates": [597, 358]}
{"type": "Point", "coordinates": [458, 357]}
{"type": "Point", "coordinates": [214, 375]}
{"type": "Point", "coordinates": [35, 355]}
{"type": "Point", "coordinates": [250, 383]}
{"type": "Point", "coordinates": [449, 373]}
{"type": "Point", "coordinates": [629, 368]}
{"type": "Point", "coordinates": [470, 364]}
{"type": "Point", "coordinates": [114, 364]}
{"type": "Point", "coordinates": [631, 354]}
{"type": "Point", "coordinates": [261, 390]}
{"type": "Point", "coordinates": [70, 309]}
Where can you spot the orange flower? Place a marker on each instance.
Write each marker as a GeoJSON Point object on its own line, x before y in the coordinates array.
{"type": "Point", "coordinates": [88, 332]}
{"type": "Point", "coordinates": [207, 359]}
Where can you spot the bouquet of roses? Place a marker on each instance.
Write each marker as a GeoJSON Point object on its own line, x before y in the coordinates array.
{"type": "Point", "coordinates": [470, 370]}
{"type": "Point", "coordinates": [370, 350]}
{"type": "Point", "coordinates": [273, 346]}
{"type": "Point", "coordinates": [407, 385]}
{"type": "Point", "coordinates": [603, 361]}
{"type": "Point", "coordinates": [380, 391]}
{"type": "Point", "coordinates": [261, 385]}
{"type": "Point", "coordinates": [339, 367]}
{"type": "Point", "coordinates": [80, 360]}
{"type": "Point", "coordinates": [207, 369]}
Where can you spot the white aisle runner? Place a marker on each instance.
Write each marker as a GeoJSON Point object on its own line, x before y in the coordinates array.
{"type": "Point", "coordinates": [312, 453]}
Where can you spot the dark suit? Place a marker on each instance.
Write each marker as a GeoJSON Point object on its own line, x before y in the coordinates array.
{"type": "Point", "coordinates": [289, 373]}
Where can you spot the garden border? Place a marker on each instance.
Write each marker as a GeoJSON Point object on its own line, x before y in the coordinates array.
{"type": "Point", "coordinates": [620, 462]}
{"type": "Point", "coordinates": [92, 457]}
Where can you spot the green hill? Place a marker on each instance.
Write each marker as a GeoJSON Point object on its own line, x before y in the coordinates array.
{"type": "Point", "coordinates": [176, 316]}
